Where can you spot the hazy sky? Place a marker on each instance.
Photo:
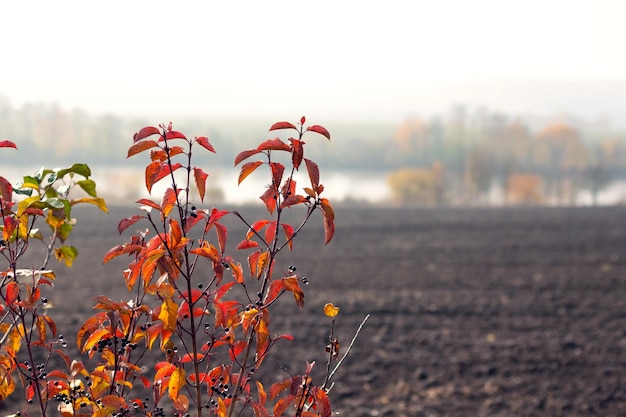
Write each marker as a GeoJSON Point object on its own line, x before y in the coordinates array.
{"type": "Point", "coordinates": [326, 59]}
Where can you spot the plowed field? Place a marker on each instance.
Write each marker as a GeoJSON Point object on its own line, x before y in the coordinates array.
{"type": "Point", "coordinates": [473, 312]}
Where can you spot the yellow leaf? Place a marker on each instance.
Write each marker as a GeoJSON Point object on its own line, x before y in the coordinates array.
{"type": "Point", "coordinates": [169, 314]}
{"type": "Point", "coordinates": [177, 381]}
{"type": "Point", "coordinates": [7, 385]}
{"type": "Point", "coordinates": [98, 202]}
{"type": "Point", "coordinates": [330, 310]}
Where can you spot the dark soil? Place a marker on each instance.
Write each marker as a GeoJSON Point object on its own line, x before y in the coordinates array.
{"type": "Point", "coordinates": [473, 312]}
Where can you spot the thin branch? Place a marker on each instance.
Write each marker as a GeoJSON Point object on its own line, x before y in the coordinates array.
{"type": "Point", "coordinates": [345, 355]}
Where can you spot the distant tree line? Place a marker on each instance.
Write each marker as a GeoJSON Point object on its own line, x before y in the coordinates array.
{"type": "Point", "coordinates": [468, 154]}
{"type": "Point", "coordinates": [457, 157]}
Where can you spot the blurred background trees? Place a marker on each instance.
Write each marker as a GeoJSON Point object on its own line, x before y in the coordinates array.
{"type": "Point", "coordinates": [466, 156]}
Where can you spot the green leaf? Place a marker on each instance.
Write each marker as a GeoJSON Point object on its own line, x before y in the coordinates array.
{"type": "Point", "coordinates": [55, 203]}
{"type": "Point", "coordinates": [66, 254]}
{"type": "Point", "coordinates": [89, 186]}
{"type": "Point", "coordinates": [30, 182]}
{"type": "Point", "coordinates": [80, 169]}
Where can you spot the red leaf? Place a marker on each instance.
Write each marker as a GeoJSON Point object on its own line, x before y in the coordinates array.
{"type": "Point", "coordinates": [282, 125]}
{"type": "Point", "coordinates": [293, 200]}
{"type": "Point", "coordinates": [204, 142]}
{"type": "Point", "coordinates": [247, 169]}
{"type": "Point", "coordinates": [222, 235]}
{"type": "Point", "coordinates": [172, 134]}
{"type": "Point", "coordinates": [138, 147]}
{"type": "Point", "coordinates": [297, 152]}
{"type": "Point", "coordinates": [270, 232]}
{"type": "Point", "coordinates": [274, 145]}
{"type": "Point", "coordinates": [329, 219]}
{"type": "Point", "coordinates": [274, 290]}
{"type": "Point", "coordinates": [247, 244]}
{"type": "Point", "coordinates": [288, 234]}
{"type": "Point", "coordinates": [127, 222]}
{"type": "Point", "coordinates": [279, 387]}
{"type": "Point", "coordinates": [277, 172]}
{"type": "Point", "coordinates": [12, 292]}
{"type": "Point", "coordinates": [245, 155]}
{"type": "Point", "coordinates": [6, 189]}
{"type": "Point", "coordinates": [7, 144]}
{"type": "Point", "coordinates": [217, 214]}
{"type": "Point", "coordinates": [314, 172]}
{"type": "Point", "coordinates": [269, 198]}
{"type": "Point", "coordinates": [253, 261]}
{"type": "Point", "coordinates": [200, 176]}
{"type": "Point", "coordinates": [145, 132]}
{"type": "Point", "coordinates": [319, 129]}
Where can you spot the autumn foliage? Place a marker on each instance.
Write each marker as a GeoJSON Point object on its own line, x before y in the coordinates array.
{"type": "Point", "coordinates": [188, 297]}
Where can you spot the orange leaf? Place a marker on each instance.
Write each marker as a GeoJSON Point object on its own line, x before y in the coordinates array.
{"type": "Point", "coordinates": [261, 263]}
{"type": "Point", "coordinates": [247, 169]}
{"type": "Point", "coordinates": [291, 284]}
{"type": "Point", "coordinates": [169, 201]}
{"type": "Point", "coordinates": [95, 337]}
{"type": "Point", "coordinates": [150, 262]}
{"type": "Point", "coordinates": [156, 171]}
{"type": "Point", "coordinates": [200, 177]}
{"type": "Point", "coordinates": [281, 405]}
{"type": "Point", "coordinates": [330, 310]}
{"type": "Point", "coordinates": [207, 251]}
{"type": "Point", "coordinates": [237, 272]}
{"type": "Point", "coordinates": [138, 147]}
{"type": "Point", "coordinates": [176, 234]}
{"type": "Point", "coordinates": [262, 394]}
{"type": "Point", "coordinates": [41, 328]}
{"type": "Point", "coordinates": [282, 125]}
{"type": "Point", "coordinates": [319, 129]}
{"type": "Point", "coordinates": [188, 357]}
{"type": "Point", "coordinates": [256, 227]}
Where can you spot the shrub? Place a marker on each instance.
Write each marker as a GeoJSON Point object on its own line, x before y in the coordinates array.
{"type": "Point", "coordinates": [205, 311]}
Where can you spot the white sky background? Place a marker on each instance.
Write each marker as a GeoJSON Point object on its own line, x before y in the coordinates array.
{"type": "Point", "coordinates": [358, 60]}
